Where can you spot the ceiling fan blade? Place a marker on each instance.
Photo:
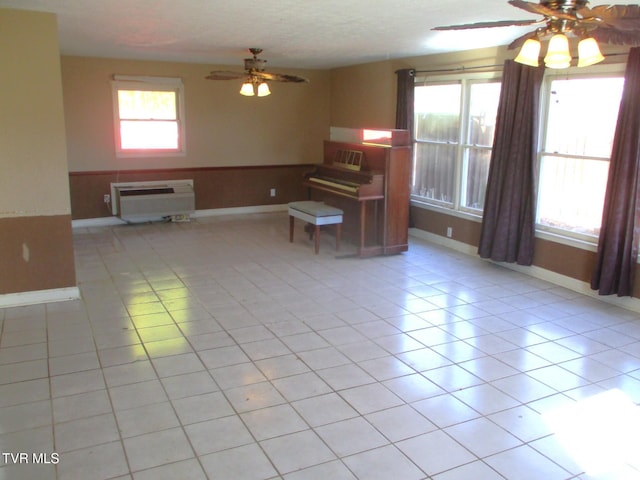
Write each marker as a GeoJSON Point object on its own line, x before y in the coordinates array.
{"type": "Point", "coordinates": [621, 17]}
{"type": "Point", "coordinates": [541, 10]}
{"type": "Point", "coordinates": [500, 23]}
{"type": "Point", "coordinates": [279, 77]}
{"type": "Point", "coordinates": [222, 75]}
{"type": "Point", "coordinates": [616, 37]}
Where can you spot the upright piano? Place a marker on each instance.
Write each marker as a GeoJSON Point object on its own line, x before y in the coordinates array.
{"type": "Point", "coordinates": [367, 174]}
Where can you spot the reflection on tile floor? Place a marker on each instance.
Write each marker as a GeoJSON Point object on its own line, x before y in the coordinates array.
{"type": "Point", "coordinates": [217, 349]}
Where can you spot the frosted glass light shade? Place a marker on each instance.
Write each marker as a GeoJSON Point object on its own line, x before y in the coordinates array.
{"type": "Point", "coordinates": [589, 52]}
{"type": "Point", "coordinates": [263, 90]}
{"type": "Point", "coordinates": [247, 89]}
{"type": "Point", "coordinates": [558, 55]}
{"type": "Point", "coordinates": [529, 53]}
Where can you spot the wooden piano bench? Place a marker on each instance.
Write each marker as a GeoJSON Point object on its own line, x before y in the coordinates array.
{"type": "Point", "coordinates": [317, 214]}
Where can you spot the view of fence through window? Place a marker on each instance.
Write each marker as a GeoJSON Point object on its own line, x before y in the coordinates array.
{"type": "Point", "coordinates": [455, 124]}
{"type": "Point", "coordinates": [437, 109]}
{"type": "Point", "coordinates": [148, 120]}
{"type": "Point", "coordinates": [454, 134]}
{"type": "Point", "coordinates": [574, 162]}
{"type": "Point", "coordinates": [483, 107]}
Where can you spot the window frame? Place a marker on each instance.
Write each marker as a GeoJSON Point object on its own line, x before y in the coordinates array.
{"type": "Point", "coordinates": [570, 237]}
{"type": "Point", "coordinates": [158, 84]}
{"type": "Point", "coordinates": [463, 146]}
{"type": "Point", "coordinates": [565, 237]}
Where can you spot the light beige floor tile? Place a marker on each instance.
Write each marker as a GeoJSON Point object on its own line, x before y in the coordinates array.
{"type": "Point", "coordinates": [400, 423]}
{"type": "Point", "coordinates": [351, 436]}
{"type": "Point", "coordinates": [85, 432]}
{"type": "Point", "coordinates": [100, 462]}
{"type": "Point", "coordinates": [435, 452]}
{"type": "Point", "coordinates": [242, 463]}
{"type": "Point", "coordinates": [202, 407]}
{"type": "Point", "coordinates": [218, 337]}
{"type": "Point", "coordinates": [146, 419]}
{"type": "Point", "coordinates": [190, 469]}
{"type": "Point", "coordinates": [157, 448]}
{"type": "Point", "coordinates": [383, 463]}
{"type": "Point", "coordinates": [296, 451]}
{"type": "Point", "coordinates": [218, 434]}
{"type": "Point", "coordinates": [524, 463]}
{"type": "Point", "coordinates": [273, 421]}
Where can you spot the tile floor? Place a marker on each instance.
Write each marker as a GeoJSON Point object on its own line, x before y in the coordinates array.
{"type": "Point", "coordinates": [216, 349]}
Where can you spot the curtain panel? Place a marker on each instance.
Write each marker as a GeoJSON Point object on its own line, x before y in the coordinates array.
{"type": "Point", "coordinates": [508, 224]}
{"type": "Point", "coordinates": [405, 102]}
{"type": "Point", "coordinates": [618, 242]}
{"type": "Point", "coordinates": [405, 107]}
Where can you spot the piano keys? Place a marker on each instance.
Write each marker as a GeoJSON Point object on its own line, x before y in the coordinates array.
{"type": "Point", "coordinates": [371, 184]}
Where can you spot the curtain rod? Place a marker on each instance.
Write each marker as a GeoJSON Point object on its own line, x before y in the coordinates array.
{"type": "Point", "coordinates": [457, 69]}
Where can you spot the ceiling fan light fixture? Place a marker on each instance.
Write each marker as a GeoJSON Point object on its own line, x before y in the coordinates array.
{"type": "Point", "coordinates": [263, 90]}
{"type": "Point", "coordinates": [247, 89]}
{"type": "Point", "coordinates": [589, 52]}
{"type": "Point", "coordinates": [558, 55]}
{"type": "Point", "coordinates": [529, 53]}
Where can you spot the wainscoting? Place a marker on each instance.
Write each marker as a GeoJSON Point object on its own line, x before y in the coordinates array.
{"type": "Point", "coordinates": [215, 188]}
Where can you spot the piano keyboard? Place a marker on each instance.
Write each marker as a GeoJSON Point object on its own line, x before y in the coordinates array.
{"type": "Point", "coordinates": [341, 184]}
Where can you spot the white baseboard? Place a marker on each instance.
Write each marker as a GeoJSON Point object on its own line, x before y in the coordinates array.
{"type": "Point", "coordinates": [39, 296]}
{"type": "Point", "coordinates": [112, 221]}
{"type": "Point", "coordinates": [629, 303]}
{"type": "Point", "coordinates": [443, 241]}
{"type": "Point", "coordinates": [97, 222]}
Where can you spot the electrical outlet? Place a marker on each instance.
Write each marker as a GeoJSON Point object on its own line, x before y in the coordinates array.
{"type": "Point", "coordinates": [272, 192]}
{"type": "Point", "coordinates": [449, 232]}
{"type": "Point", "coordinates": [107, 198]}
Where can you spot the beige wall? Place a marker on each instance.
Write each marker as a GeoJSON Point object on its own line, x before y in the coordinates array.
{"type": "Point", "coordinates": [365, 95]}
{"type": "Point", "coordinates": [223, 128]}
{"type": "Point", "coordinates": [32, 136]}
{"type": "Point", "coordinates": [35, 224]}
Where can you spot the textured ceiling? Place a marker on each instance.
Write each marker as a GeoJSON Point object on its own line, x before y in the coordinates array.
{"type": "Point", "coordinates": [293, 33]}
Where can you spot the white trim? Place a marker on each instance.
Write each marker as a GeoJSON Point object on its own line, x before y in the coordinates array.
{"type": "Point", "coordinates": [21, 299]}
{"type": "Point", "coordinates": [565, 240]}
{"type": "Point", "coordinates": [443, 241]}
{"type": "Point", "coordinates": [475, 217]}
{"type": "Point", "coordinates": [630, 303]}
{"type": "Point", "coordinates": [135, 79]}
{"type": "Point", "coordinates": [97, 222]}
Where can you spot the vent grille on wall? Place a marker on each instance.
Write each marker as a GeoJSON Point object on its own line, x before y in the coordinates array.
{"type": "Point", "coordinates": [142, 201]}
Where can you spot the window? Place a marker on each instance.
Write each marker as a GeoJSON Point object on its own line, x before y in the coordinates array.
{"type": "Point", "coordinates": [581, 116]}
{"type": "Point", "coordinates": [148, 114]}
{"type": "Point", "coordinates": [455, 123]}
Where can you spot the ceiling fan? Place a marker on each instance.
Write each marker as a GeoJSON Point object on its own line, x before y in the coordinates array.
{"type": "Point", "coordinates": [254, 75]}
{"type": "Point", "coordinates": [614, 24]}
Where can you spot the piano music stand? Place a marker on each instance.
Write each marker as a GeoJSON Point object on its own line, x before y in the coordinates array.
{"type": "Point", "coordinates": [317, 214]}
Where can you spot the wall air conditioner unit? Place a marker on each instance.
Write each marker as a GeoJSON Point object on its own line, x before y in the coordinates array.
{"type": "Point", "coordinates": [144, 201]}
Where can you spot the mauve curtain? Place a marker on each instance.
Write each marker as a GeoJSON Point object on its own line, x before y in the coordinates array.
{"type": "Point", "coordinates": [404, 104]}
{"type": "Point", "coordinates": [405, 107]}
{"type": "Point", "coordinates": [618, 243]}
{"type": "Point", "coordinates": [508, 224]}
